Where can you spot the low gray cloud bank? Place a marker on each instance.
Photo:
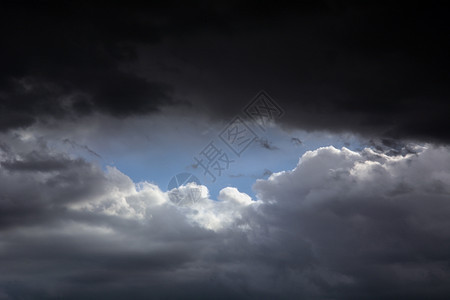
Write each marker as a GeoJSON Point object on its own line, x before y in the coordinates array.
{"type": "Point", "coordinates": [340, 225]}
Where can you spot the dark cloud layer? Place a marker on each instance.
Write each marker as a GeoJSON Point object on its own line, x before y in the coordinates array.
{"type": "Point", "coordinates": [61, 60]}
{"type": "Point", "coordinates": [377, 68]}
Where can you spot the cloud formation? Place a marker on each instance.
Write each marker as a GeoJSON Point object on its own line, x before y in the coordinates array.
{"type": "Point", "coordinates": [341, 225]}
{"type": "Point", "coordinates": [378, 69]}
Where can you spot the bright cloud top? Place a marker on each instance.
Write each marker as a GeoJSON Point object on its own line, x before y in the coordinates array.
{"type": "Point", "coordinates": [341, 224]}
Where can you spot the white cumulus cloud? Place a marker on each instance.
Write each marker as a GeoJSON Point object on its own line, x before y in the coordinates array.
{"type": "Point", "coordinates": [341, 225]}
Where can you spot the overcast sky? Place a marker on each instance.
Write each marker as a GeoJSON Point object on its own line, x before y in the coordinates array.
{"type": "Point", "coordinates": [224, 150]}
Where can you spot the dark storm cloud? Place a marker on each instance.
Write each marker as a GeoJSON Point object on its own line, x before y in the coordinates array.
{"type": "Point", "coordinates": [63, 59]}
{"type": "Point", "coordinates": [377, 68]}
{"type": "Point", "coordinates": [392, 147]}
{"type": "Point", "coordinates": [36, 186]}
{"type": "Point", "coordinates": [69, 59]}
{"type": "Point", "coordinates": [35, 162]}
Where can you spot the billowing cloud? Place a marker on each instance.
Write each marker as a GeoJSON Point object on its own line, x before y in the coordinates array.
{"type": "Point", "coordinates": [340, 225]}
{"type": "Point", "coordinates": [377, 225]}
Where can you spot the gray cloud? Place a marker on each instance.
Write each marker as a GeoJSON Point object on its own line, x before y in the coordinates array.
{"type": "Point", "coordinates": [378, 69]}
{"type": "Point", "coordinates": [342, 225]}
{"type": "Point", "coordinates": [84, 147]}
{"type": "Point", "coordinates": [296, 141]}
{"type": "Point", "coordinates": [265, 143]}
{"type": "Point", "coordinates": [377, 225]}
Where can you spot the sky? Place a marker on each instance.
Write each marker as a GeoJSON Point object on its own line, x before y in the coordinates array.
{"type": "Point", "coordinates": [217, 150]}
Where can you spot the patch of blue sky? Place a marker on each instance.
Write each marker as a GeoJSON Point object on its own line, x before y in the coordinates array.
{"type": "Point", "coordinates": [276, 150]}
{"type": "Point", "coordinates": [155, 150]}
